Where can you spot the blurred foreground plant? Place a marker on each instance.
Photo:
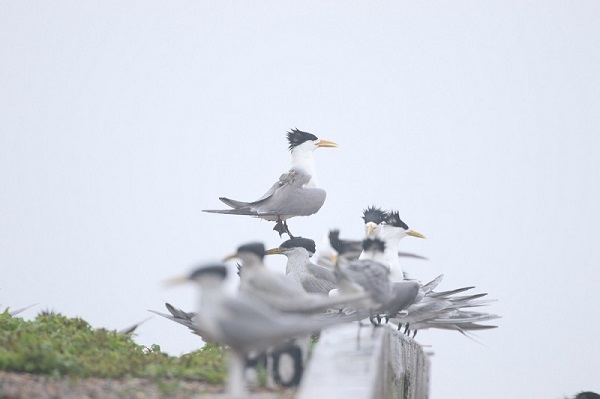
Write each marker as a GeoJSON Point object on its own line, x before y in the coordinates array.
{"type": "Point", "coordinates": [57, 345]}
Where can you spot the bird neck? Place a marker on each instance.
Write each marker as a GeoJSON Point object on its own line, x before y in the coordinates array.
{"type": "Point", "coordinates": [297, 262]}
{"type": "Point", "coordinates": [376, 256]}
{"type": "Point", "coordinates": [211, 298]}
{"type": "Point", "coordinates": [304, 159]}
{"type": "Point", "coordinates": [392, 244]}
{"type": "Point", "coordinates": [250, 260]}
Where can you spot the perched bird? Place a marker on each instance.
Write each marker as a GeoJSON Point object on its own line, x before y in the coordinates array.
{"type": "Point", "coordinates": [391, 231]}
{"type": "Point", "coordinates": [372, 276]}
{"type": "Point", "coordinates": [244, 323]}
{"type": "Point", "coordinates": [375, 220]}
{"type": "Point", "coordinates": [313, 278]}
{"type": "Point", "coordinates": [296, 193]}
{"type": "Point", "coordinates": [278, 290]}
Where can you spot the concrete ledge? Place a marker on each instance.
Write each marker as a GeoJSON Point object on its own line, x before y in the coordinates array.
{"type": "Point", "coordinates": [381, 364]}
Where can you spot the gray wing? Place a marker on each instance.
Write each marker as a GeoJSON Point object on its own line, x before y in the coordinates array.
{"type": "Point", "coordinates": [322, 273]}
{"type": "Point", "coordinates": [286, 197]}
{"type": "Point", "coordinates": [372, 276]}
{"type": "Point", "coordinates": [131, 329]}
{"type": "Point", "coordinates": [318, 286]}
{"type": "Point", "coordinates": [292, 198]}
{"type": "Point", "coordinates": [250, 325]}
{"type": "Point", "coordinates": [403, 295]}
{"type": "Point", "coordinates": [269, 283]}
{"type": "Point", "coordinates": [181, 317]}
{"type": "Point", "coordinates": [284, 180]}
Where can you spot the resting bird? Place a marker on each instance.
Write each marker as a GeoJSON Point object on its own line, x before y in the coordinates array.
{"type": "Point", "coordinates": [391, 229]}
{"type": "Point", "coordinates": [244, 323]}
{"type": "Point", "coordinates": [277, 290]}
{"type": "Point", "coordinates": [295, 193]}
{"type": "Point", "coordinates": [375, 220]}
{"type": "Point", "coordinates": [372, 276]}
{"type": "Point", "coordinates": [313, 278]}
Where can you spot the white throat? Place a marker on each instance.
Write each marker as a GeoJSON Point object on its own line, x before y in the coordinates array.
{"type": "Point", "coordinates": [303, 157]}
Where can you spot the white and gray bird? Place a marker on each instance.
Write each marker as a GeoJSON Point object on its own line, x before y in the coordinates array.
{"type": "Point", "coordinates": [374, 218]}
{"type": "Point", "coordinates": [244, 323]}
{"type": "Point", "coordinates": [296, 193]}
{"type": "Point", "coordinates": [390, 229]}
{"type": "Point", "coordinates": [278, 290]}
{"type": "Point", "coordinates": [430, 309]}
{"type": "Point", "coordinates": [313, 278]}
{"type": "Point", "coordinates": [373, 276]}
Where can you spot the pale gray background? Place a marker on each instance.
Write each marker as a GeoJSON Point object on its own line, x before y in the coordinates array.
{"type": "Point", "coordinates": [120, 121]}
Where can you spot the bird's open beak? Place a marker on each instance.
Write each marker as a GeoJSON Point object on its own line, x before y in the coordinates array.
{"type": "Point", "coordinates": [230, 257]}
{"type": "Point", "coordinates": [274, 251]}
{"type": "Point", "coordinates": [415, 234]}
{"type": "Point", "coordinates": [326, 143]}
{"type": "Point", "coordinates": [176, 281]}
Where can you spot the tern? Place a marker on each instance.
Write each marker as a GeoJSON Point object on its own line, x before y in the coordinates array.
{"type": "Point", "coordinates": [278, 290]}
{"type": "Point", "coordinates": [391, 230]}
{"type": "Point", "coordinates": [296, 193]}
{"type": "Point", "coordinates": [375, 219]}
{"type": "Point", "coordinates": [372, 276]}
{"type": "Point", "coordinates": [243, 323]}
{"type": "Point", "coordinates": [313, 278]}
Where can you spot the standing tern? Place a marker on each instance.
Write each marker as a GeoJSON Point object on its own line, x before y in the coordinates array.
{"type": "Point", "coordinates": [391, 232]}
{"type": "Point", "coordinates": [372, 276]}
{"type": "Point", "coordinates": [313, 278]}
{"type": "Point", "coordinates": [296, 193]}
{"type": "Point", "coordinates": [278, 290]}
{"type": "Point", "coordinates": [244, 323]}
{"type": "Point", "coordinates": [375, 219]}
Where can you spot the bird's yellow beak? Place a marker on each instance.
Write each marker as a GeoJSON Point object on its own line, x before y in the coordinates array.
{"type": "Point", "coordinates": [230, 257]}
{"type": "Point", "coordinates": [326, 143]}
{"type": "Point", "coordinates": [176, 281]}
{"type": "Point", "coordinates": [415, 234]}
{"type": "Point", "coordinates": [371, 228]}
{"type": "Point", "coordinates": [273, 251]}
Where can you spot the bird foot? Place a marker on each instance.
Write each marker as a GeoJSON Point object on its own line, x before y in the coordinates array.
{"type": "Point", "coordinates": [282, 227]}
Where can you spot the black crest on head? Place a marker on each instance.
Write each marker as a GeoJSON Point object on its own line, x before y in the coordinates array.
{"type": "Point", "coordinates": [394, 219]}
{"type": "Point", "coordinates": [296, 137]}
{"type": "Point", "coordinates": [375, 215]}
{"type": "Point", "coordinates": [373, 245]}
{"type": "Point", "coordinates": [296, 242]}
{"type": "Point", "coordinates": [256, 248]}
{"type": "Point", "coordinates": [217, 269]}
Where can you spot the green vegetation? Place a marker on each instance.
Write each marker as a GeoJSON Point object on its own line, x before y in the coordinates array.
{"type": "Point", "coordinates": [56, 345]}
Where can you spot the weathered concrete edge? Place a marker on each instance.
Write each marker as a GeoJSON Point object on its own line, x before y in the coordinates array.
{"type": "Point", "coordinates": [382, 364]}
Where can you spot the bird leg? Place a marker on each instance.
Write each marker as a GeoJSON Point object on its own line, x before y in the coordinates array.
{"type": "Point", "coordinates": [287, 230]}
{"type": "Point", "coordinates": [236, 384]}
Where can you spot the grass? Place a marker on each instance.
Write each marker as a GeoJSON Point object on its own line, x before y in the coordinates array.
{"type": "Point", "coordinates": [58, 346]}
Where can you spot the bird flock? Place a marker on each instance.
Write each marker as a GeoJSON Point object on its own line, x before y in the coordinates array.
{"type": "Point", "coordinates": [270, 313]}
